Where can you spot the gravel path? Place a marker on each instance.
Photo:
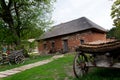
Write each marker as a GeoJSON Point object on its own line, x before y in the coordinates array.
{"type": "Point", "coordinates": [28, 66]}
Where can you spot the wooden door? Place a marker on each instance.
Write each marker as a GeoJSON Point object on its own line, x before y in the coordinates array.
{"type": "Point", "coordinates": [65, 45]}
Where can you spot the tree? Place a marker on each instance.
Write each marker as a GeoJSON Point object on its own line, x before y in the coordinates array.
{"type": "Point", "coordinates": [114, 33]}
{"type": "Point", "coordinates": [116, 13]}
{"type": "Point", "coordinates": [23, 19]}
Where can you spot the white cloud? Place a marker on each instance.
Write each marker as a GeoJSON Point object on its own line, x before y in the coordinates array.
{"type": "Point", "coordinates": [96, 10]}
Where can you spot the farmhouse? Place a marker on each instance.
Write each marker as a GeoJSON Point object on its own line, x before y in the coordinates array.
{"type": "Point", "coordinates": [67, 36]}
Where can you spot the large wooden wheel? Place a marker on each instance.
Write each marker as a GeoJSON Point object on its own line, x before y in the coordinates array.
{"type": "Point", "coordinates": [19, 59]}
{"type": "Point", "coordinates": [79, 65]}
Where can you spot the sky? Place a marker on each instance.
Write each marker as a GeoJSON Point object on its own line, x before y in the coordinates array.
{"type": "Point", "coordinates": [97, 11]}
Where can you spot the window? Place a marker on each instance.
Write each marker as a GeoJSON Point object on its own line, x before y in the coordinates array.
{"type": "Point", "coordinates": [81, 41]}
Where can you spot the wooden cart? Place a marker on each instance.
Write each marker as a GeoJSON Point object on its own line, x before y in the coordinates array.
{"type": "Point", "coordinates": [16, 57]}
{"type": "Point", "coordinates": [106, 55]}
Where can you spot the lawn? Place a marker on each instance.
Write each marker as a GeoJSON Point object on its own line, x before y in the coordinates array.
{"type": "Point", "coordinates": [102, 74]}
{"type": "Point", "coordinates": [32, 59]}
{"type": "Point", "coordinates": [56, 70]}
{"type": "Point", "coordinates": [61, 69]}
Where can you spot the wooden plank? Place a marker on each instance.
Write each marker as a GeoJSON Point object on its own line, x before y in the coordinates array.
{"type": "Point", "coordinates": [116, 65]}
{"type": "Point", "coordinates": [103, 64]}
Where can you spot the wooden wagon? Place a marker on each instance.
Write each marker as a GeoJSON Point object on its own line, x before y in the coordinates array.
{"type": "Point", "coordinates": [16, 57]}
{"type": "Point", "coordinates": [106, 55]}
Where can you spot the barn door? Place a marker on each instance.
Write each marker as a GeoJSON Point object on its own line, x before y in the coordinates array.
{"type": "Point", "coordinates": [65, 45]}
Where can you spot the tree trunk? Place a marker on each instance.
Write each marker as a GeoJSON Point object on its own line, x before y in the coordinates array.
{"type": "Point", "coordinates": [7, 16]}
{"type": "Point", "coordinates": [15, 34]}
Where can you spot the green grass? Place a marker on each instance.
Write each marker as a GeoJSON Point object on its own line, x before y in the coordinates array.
{"type": "Point", "coordinates": [61, 69]}
{"type": "Point", "coordinates": [56, 70]}
{"type": "Point", "coordinates": [102, 74]}
{"type": "Point", "coordinates": [27, 61]}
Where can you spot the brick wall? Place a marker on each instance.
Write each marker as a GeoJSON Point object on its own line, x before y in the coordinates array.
{"type": "Point", "coordinates": [73, 40]}
{"type": "Point", "coordinates": [99, 36]}
{"type": "Point", "coordinates": [58, 45]}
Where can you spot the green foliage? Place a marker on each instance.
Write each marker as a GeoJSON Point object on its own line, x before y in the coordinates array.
{"type": "Point", "coordinates": [5, 35]}
{"type": "Point", "coordinates": [116, 13]}
{"type": "Point", "coordinates": [29, 46]}
{"type": "Point", "coordinates": [114, 33]}
{"type": "Point", "coordinates": [24, 19]}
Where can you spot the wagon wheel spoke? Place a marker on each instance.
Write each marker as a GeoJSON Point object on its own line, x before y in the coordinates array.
{"type": "Point", "coordinates": [79, 65]}
{"type": "Point", "coordinates": [19, 59]}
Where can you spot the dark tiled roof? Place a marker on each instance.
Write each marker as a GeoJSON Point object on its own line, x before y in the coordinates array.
{"type": "Point", "coordinates": [72, 27]}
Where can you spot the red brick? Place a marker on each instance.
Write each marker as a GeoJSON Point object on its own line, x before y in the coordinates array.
{"type": "Point", "coordinates": [73, 40]}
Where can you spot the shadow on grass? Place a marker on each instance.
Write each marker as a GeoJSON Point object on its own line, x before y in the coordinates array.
{"type": "Point", "coordinates": [101, 74]}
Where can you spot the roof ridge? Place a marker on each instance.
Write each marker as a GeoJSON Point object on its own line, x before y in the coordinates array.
{"type": "Point", "coordinates": [70, 21]}
{"type": "Point", "coordinates": [72, 26]}
{"type": "Point", "coordinates": [93, 24]}
{"type": "Point", "coordinates": [58, 25]}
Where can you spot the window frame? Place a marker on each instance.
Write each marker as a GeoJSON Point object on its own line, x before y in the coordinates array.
{"type": "Point", "coordinates": [82, 41]}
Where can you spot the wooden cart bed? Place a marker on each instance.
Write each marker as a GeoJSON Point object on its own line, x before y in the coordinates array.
{"type": "Point", "coordinates": [113, 46]}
